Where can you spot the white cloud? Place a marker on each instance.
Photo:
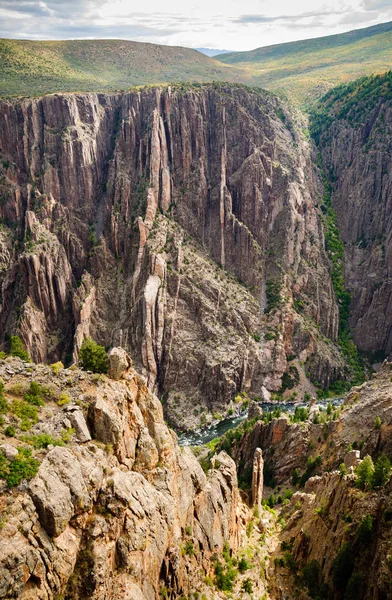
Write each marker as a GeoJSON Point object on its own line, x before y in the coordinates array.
{"type": "Point", "coordinates": [209, 23]}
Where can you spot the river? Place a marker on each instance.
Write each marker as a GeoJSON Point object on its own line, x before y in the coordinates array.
{"type": "Point", "coordinates": [218, 428]}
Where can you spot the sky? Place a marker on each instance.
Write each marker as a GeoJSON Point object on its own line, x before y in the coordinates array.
{"type": "Point", "coordinates": [226, 24]}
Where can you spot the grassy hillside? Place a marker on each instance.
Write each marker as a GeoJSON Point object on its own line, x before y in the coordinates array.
{"type": "Point", "coordinates": [353, 102]}
{"type": "Point", "coordinates": [306, 70]}
{"type": "Point", "coordinates": [35, 68]}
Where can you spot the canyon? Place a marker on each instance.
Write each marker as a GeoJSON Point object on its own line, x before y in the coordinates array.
{"type": "Point", "coordinates": [179, 223]}
{"type": "Point", "coordinates": [222, 257]}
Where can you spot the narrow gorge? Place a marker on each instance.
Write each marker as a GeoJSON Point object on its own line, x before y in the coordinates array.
{"type": "Point", "coordinates": [181, 224]}
{"type": "Point", "coordinates": [221, 257]}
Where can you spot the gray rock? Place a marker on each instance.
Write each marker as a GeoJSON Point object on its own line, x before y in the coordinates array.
{"type": "Point", "coordinates": [79, 424]}
{"type": "Point", "coordinates": [119, 362]}
{"type": "Point", "coordinates": [105, 423]}
{"type": "Point", "coordinates": [9, 451]}
{"type": "Point", "coordinates": [254, 410]}
{"type": "Point", "coordinates": [59, 490]}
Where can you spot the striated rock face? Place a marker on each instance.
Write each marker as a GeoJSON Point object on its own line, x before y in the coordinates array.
{"type": "Point", "coordinates": [257, 477]}
{"type": "Point", "coordinates": [356, 153]}
{"type": "Point", "coordinates": [179, 224]}
{"type": "Point", "coordinates": [107, 522]}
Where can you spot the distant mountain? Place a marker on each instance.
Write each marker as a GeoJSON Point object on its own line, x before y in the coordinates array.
{"type": "Point", "coordinates": [36, 68]}
{"type": "Point", "coordinates": [305, 70]}
{"type": "Point", "coordinates": [213, 52]}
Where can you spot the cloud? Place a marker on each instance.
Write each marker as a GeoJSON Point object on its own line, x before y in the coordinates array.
{"type": "Point", "coordinates": [376, 4]}
{"type": "Point", "coordinates": [289, 19]}
{"type": "Point", "coordinates": [357, 17]}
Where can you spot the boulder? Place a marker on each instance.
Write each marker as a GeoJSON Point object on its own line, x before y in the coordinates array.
{"type": "Point", "coordinates": [9, 451]}
{"type": "Point", "coordinates": [79, 424]}
{"type": "Point", "coordinates": [352, 458]}
{"type": "Point", "coordinates": [119, 362]}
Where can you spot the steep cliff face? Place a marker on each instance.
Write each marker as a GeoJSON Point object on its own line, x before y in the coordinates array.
{"type": "Point", "coordinates": [179, 223]}
{"type": "Point", "coordinates": [353, 129]}
{"type": "Point", "coordinates": [117, 509]}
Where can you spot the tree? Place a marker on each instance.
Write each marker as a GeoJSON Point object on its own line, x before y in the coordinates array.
{"type": "Point", "coordinates": [18, 348]}
{"type": "Point", "coordinates": [247, 586]}
{"type": "Point", "coordinates": [342, 566]}
{"type": "Point", "coordinates": [364, 472]}
{"type": "Point", "coordinates": [365, 530]}
{"type": "Point", "coordinates": [382, 471]}
{"type": "Point", "coordinates": [93, 357]}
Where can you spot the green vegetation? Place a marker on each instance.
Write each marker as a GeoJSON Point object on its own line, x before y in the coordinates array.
{"type": "Point", "coordinates": [18, 348]}
{"type": "Point", "coordinates": [305, 70]}
{"type": "Point", "coordinates": [22, 467]}
{"type": "Point", "coordinates": [34, 394]}
{"type": "Point", "coordinates": [33, 68]}
{"type": "Point", "coordinates": [93, 357]}
{"type": "Point", "coordinates": [382, 471]}
{"type": "Point", "coordinates": [225, 576]}
{"type": "Point", "coordinates": [273, 289]}
{"type": "Point", "coordinates": [365, 530]}
{"type": "Point", "coordinates": [43, 440]}
{"type": "Point", "coordinates": [335, 249]}
{"type": "Point", "coordinates": [247, 586]}
{"type": "Point", "coordinates": [311, 465]}
{"type": "Point", "coordinates": [342, 566]}
{"type": "Point", "coordinates": [370, 475]}
{"type": "Point", "coordinates": [26, 412]}
{"type": "Point", "coordinates": [301, 413]}
{"type": "Point", "coordinates": [351, 102]}
{"type": "Point", "coordinates": [364, 472]}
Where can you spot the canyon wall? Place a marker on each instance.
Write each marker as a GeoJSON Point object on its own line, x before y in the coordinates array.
{"type": "Point", "coordinates": [355, 146]}
{"type": "Point", "coordinates": [180, 223]}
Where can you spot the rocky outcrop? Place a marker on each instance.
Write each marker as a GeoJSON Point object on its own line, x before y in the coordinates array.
{"type": "Point", "coordinates": [109, 517]}
{"type": "Point", "coordinates": [257, 477]}
{"type": "Point", "coordinates": [178, 223]}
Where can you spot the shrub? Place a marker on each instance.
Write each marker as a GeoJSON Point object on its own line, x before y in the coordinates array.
{"type": "Point", "coordinates": [224, 579]}
{"type": "Point", "coordinates": [34, 394]}
{"type": "Point", "coordinates": [3, 402]}
{"type": "Point", "coordinates": [343, 470]}
{"type": "Point", "coordinates": [189, 549]}
{"type": "Point", "coordinates": [301, 413]}
{"type": "Point", "coordinates": [365, 530]}
{"type": "Point", "coordinates": [63, 399]}
{"type": "Point", "coordinates": [311, 466]}
{"type": "Point", "coordinates": [93, 357]}
{"type": "Point", "coordinates": [295, 477]}
{"type": "Point", "coordinates": [364, 472]}
{"type": "Point", "coordinates": [247, 586]}
{"type": "Point", "coordinates": [18, 348]}
{"type": "Point", "coordinates": [243, 565]}
{"type": "Point", "coordinates": [342, 566]}
{"type": "Point", "coordinates": [22, 467]}
{"type": "Point", "coordinates": [25, 411]}
{"type": "Point", "coordinates": [43, 440]}
{"type": "Point", "coordinates": [377, 423]}
{"type": "Point", "coordinates": [290, 563]}
{"type": "Point", "coordinates": [382, 471]}
{"type": "Point", "coordinates": [56, 367]}
{"type": "Point", "coordinates": [354, 590]}
{"type": "Point", "coordinates": [9, 431]}
{"type": "Point", "coordinates": [311, 575]}
{"type": "Point", "coordinates": [273, 288]}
